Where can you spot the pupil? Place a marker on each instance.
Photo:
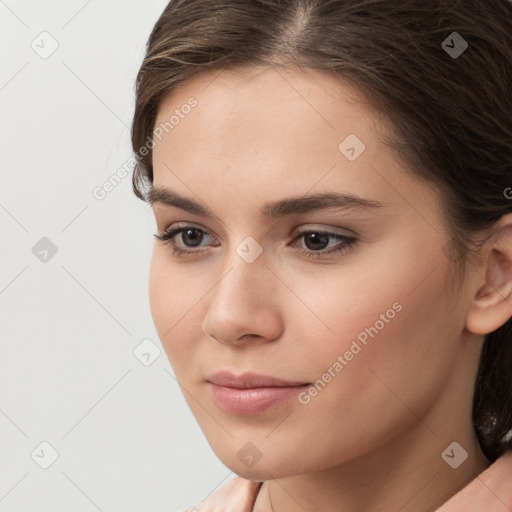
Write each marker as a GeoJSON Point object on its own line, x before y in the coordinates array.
{"type": "Point", "coordinates": [195, 240]}
{"type": "Point", "coordinates": [315, 236]}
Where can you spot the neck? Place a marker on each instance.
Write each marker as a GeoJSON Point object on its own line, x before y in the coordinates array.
{"type": "Point", "coordinates": [411, 484]}
{"type": "Point", "coordinates": [416, 481]}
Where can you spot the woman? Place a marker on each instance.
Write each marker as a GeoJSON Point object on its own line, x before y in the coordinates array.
{"type": "Point", "coordinates": [332, 275]}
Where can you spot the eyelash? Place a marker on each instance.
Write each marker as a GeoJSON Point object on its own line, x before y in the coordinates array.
{"type": "Point", "coordinates": [348, 242]}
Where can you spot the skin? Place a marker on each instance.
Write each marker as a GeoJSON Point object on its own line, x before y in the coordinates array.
{"type": "Point", "coordinates": [372, 438]}
{"type": "Point", "coordinates": [237, 495]}
{"type": "Point", "coordinates": [490, 491]}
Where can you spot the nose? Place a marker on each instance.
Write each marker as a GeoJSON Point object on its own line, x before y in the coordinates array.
{"type": "Point", "coordinates": [243, 306]}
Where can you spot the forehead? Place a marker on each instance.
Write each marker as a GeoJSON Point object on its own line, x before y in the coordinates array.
{"type": "Point", "coordinates": [272, 97]}
{"type": "Point", "coordinates": [261, 131]}
{"type": "Point", "coordinates": [279, 115]}
{"type": "Point", "coordinates": [245, 82]}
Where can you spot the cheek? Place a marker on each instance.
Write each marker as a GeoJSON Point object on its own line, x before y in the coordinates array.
{"type": "Point", "coordinates": [396, 341]}
{"type": "Point", "coordinates": [161, 299]}
{"type": "Point", "coordinates": [394, 365]}
{"type": "Point", "coordinates": [172, 298]}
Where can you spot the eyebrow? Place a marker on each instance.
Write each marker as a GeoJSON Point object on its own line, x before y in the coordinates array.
{"type": "Point", "coordinates": [272, 210]}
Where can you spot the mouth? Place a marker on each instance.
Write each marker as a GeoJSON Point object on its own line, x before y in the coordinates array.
{"type": "Point", "coordinates": [251, 393]}
{"type": "Point", "coordinates": [250, 380]}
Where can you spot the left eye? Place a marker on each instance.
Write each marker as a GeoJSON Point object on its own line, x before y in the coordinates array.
{"type": "Point", "coordinates": [315, 241]}
{"type": "Point", "coordinates": [345, 243]}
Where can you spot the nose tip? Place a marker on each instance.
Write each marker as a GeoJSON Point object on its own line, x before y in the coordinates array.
{"type": "Point", "coordinates": [243, 307]}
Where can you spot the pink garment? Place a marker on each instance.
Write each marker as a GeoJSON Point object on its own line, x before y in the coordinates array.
{"type": "Point", "coordinates": [490, 491]}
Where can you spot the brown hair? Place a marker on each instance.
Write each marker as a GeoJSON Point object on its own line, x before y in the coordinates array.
{"type": "Point", "coordinates": [451, 114]}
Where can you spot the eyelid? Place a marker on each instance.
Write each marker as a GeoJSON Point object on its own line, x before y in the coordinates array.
{"type": "Point", "coordinates": [173, 226]}
{"type": "Point", "coordinates": [333, 230]}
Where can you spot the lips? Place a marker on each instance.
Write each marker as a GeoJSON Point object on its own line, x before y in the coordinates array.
{"type": "Point", "coordinates": [250, 380]}
{"type": "Point", "coordinates": [250, 393]}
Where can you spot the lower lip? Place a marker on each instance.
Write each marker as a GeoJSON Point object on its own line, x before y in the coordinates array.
{"type": "Point", "coordinates": [251, 400]}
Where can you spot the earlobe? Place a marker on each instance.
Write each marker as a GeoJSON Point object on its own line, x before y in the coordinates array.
{"type": "Point", "coordinates": [491, 306]}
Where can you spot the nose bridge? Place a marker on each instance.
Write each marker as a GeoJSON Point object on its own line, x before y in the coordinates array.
{"type": "Point", "coordinates": [243, 301]}
{"type": "Point", "coordinates": [245, 284]}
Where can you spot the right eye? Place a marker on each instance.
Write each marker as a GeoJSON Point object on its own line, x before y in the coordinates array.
{"type": "Point", "coordinates": [191, 236]}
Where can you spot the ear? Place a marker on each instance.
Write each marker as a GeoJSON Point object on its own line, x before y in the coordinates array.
{"type": "Point", "coordinates": [491, 306]}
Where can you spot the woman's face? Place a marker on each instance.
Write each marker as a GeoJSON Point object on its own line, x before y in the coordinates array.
{"type": "Point", "coordinates": [370, 324]}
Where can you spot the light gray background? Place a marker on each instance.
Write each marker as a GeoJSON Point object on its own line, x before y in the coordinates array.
{"type": "Point", "coordinates": [125, 438]}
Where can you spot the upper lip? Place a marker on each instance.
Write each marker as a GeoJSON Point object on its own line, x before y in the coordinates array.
{"type": "Point", "coordinates": [249, 380]}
